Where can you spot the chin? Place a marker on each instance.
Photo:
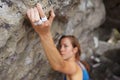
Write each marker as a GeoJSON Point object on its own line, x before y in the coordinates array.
{"type": "Point", "coordinates": [65, 58]}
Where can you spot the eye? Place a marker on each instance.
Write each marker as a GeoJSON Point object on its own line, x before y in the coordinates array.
{"type": "Point", "coordinates": [65, 45]}
{"type": "Point", "coordinates": [59, 46]}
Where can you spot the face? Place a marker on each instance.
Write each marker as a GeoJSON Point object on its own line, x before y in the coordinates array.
{"type": "Point", "coordinates": [66, 48]}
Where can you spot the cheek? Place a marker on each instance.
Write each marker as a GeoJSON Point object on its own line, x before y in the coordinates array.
{"type": "Point", "coordinates": [69, 50]}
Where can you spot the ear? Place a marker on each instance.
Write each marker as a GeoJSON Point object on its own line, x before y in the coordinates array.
{"type": "Point", "coordinates": [75, 50]}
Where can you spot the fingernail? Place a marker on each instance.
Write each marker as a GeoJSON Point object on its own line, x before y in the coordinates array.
{"type": "Point", "coordinates": [38, 4]}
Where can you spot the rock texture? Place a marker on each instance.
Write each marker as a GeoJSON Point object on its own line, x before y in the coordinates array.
{"type": "Point", "coordinates": [22, 56]}
{"type": "Point", "coordinates": [105, 64]}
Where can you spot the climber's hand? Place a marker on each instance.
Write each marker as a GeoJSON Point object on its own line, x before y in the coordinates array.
{"type": "Point", "coordinates": [39, 20]}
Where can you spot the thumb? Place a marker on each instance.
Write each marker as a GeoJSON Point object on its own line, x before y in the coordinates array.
{"type": "Point", "coordinates": [52, 16]}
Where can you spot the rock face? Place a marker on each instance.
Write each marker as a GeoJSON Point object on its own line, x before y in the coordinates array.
{"type": "Point", "coordinates": [105, 64]}
{"type": "Point", "coordinates": [21, 54]}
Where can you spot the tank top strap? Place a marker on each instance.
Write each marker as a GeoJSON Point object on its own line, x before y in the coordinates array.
{"type": "Point", "coordinates": [65, 77]}
{"type": "Point", "coordinates": [84, 71]}
{"type": "Point", "coordinates": [81, 65]}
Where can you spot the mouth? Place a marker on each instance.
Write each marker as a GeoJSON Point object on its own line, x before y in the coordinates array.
{"type": "Point", "coordinates": [62, 53]}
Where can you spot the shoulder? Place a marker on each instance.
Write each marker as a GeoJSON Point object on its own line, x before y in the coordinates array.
{"type": "Point", "coordinates": [69, 68]}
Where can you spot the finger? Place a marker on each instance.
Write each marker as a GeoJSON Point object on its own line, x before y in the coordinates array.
{"type": "Point", "coordinates": [32, 15]}
{"type": "Point", "coordinates": [36, 14]}
{"type": "Point", "coordinates": [40, 10]}
{"type": "Point", "coordinates": [52, 16]}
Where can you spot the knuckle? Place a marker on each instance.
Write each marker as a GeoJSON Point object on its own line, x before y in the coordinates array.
{"type": "Point", "coordinates": [46, 24]}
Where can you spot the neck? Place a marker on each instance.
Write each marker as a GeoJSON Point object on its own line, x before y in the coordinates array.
{"type": "Point", "coordinates": [71, 59]}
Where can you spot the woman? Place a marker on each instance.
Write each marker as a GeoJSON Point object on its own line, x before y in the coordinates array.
{"type": "Point", "coordinates": [66, 60]}
{"type": "Point", "coordinates": [66, 44]}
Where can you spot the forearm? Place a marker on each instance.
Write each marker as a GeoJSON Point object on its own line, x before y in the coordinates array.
{"type": "Point", "coordinates": [51, 52]}
{"type": "Point", "coordinates": [42, 27]}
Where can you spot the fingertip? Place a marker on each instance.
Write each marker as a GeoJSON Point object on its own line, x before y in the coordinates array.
{"type": "Point", "coordinates": [51, 16]}
{"type": "Point", "coordinates": [35, 9]}
{"type": "Point", "coordinates": [52, 13]}
{"type": "Point", "coordinates": [38, 5]}
{"type": "Point", "coordinates": [28, 13]}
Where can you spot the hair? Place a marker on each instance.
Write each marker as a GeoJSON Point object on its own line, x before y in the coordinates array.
{"type": "Point", "coordinates": [74, 42]}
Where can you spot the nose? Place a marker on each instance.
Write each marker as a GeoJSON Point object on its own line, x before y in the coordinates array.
{"type": "Point", "coordinates": [61, 48]}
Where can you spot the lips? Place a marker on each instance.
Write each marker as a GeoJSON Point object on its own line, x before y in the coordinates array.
{"type": "Point", "coordinates": [62, 53]}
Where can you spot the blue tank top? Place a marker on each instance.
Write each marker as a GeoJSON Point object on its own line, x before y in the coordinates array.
{"type": "Point", "coordinates": [84, 71]}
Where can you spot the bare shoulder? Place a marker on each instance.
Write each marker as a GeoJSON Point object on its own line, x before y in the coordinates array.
{"type": "Point", "coordinates": [70, 67]}
{"type": "Point", "coordinates": [77, 74]}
